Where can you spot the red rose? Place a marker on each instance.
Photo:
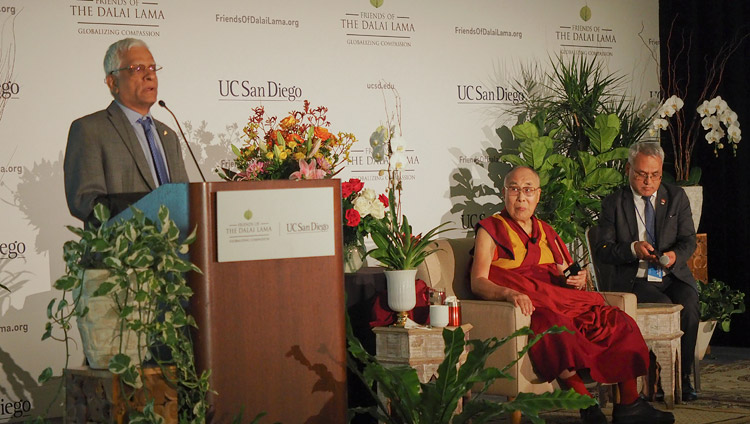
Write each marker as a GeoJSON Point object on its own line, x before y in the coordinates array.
{"type": "Point", "coordinates": [352, 186]}
{"type": "Point", "coordinates": [383, 199]}
{"type": "Point", "coordinates": [352, 217]}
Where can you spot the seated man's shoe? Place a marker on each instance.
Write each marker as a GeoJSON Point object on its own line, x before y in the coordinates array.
{"type": "Point", "coordinates": [688, 392]}
{"type": "Point", "coordinates": [593, 415]}
{"type": "Point", "coordinates": [640, 412]}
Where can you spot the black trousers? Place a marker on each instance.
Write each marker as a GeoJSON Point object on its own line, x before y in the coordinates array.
{"type": "Point", "coordinates": [675, 291]}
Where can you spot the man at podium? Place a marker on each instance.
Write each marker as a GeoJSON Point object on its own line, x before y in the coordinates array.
{"type": "Point", "coordinates": [117, 155]}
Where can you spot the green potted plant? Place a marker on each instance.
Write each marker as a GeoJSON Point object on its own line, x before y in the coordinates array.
{"type": "Point", "coordinates": [436, 402]}
{"type": "Point", "coordinates": [573, 128]}
{"type": "Point", "coordinates": [142, 273]}
{"type": "Point", "coordinates": [717, 302]}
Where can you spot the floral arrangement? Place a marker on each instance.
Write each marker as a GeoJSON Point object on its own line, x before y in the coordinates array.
{"type": "Point", "coordinates": [397, 247]}
{"type": "Point", "coordinates": [718, 120]}
{"type": "Point", "coordinates": [714, 115]}
{"type": "Point", "coordinates": [362, 207]}
{"type": "Point", "coordinates": [299, 146]}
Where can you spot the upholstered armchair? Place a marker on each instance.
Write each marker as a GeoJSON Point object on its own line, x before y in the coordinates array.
{"type": "Point", "coordinates": [449, 269]}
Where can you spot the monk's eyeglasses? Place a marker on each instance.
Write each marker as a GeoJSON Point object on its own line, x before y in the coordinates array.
{"type": "Point", "coordinates": [527, 191]}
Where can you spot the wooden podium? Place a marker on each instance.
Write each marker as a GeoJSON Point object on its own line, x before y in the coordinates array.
{"type": "Point", "coordinates": [271, 331]}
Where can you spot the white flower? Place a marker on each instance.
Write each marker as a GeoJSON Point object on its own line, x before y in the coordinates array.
{"type": "Point", "coordinates": [363, 206]}
{"type": "Point", "coordinates": [378, 137]}
{"type": "Point", "coordinates": [398, 144]}
{"type": "Point", "coordinates": [705, 109]}
{"type": "Point", "coordinates": [719, 104]}
{"type": "Point", "coordinates": [672, 105]}
{"type": "Point", "coordinates": [368, 194]}
{"type": "Point", "coordinates": [398, 160]}
{"type": "Point", "coordinates": [378, 153]}
{"type": "Point", "coordinates": [728, 117]}
{"type": "Point", "coordinates": [734, 133]}
{"type": "Point", "coordinates": [710, 123]}
{"type": "Point", "coordinates": [377, 209]}
{"type": "Point", "coordinates": [712, 137]}
{"type": "Point", "coordinates": [648, 108]}
{"type": "Point", "coordinates": [660, 124]}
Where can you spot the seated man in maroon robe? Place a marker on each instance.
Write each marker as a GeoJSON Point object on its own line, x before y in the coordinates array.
{"type": "Point", "coordinates": [520, 259]}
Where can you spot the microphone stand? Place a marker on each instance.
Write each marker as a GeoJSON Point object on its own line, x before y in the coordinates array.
{"type": "Point", "coordinates": [164, 105]}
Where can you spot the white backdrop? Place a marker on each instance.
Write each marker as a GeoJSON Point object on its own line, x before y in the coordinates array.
{"type": "Point", "coordinates": [453, 63]}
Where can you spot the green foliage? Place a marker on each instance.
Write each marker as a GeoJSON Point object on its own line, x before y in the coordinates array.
{"type": "Point", "coordinates": [435, 402]}
{"type": "Point", "coordinates": [396, 246]}
{"type": "Point", "coordinates": [718, 302]}
{"type": "Point", "coordinates": [572, 187]}
{"type": "Point", "coordinates": [147, 280]}
{"type": "Point", "coordinates": [573, 129]}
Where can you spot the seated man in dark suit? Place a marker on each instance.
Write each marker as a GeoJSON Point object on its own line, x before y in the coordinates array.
{"type": "Point", "coordinates": [117, 155]}
{"type": "Point", "coordinates": [646, 231]}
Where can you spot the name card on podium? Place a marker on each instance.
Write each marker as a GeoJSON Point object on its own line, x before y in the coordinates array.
{"type": "Point", "coordinates": [275, 224]}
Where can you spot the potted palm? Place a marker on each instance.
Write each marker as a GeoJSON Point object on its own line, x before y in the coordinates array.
{"type": "Point", "coordinates": [139, 271]}
{"type": "Point", "coordinates": [717, 302]}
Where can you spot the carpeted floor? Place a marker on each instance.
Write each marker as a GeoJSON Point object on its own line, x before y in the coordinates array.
{"type": "Point", "coordinates": [724, 396]}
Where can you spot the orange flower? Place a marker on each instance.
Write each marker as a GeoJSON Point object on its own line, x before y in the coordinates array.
{"type": "Point", "coordinates": [294, 137]}
{"type": "Point", "coordinates": [322, 133]}
{"type": "Point", "coordinates": [288, 122]}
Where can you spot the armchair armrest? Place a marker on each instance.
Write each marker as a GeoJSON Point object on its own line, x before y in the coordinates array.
{"type": "Point", "coordinates": [627, 302]}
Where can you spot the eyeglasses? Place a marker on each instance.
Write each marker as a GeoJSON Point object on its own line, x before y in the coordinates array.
{"type": "Point", "coordinates": [138, 69]}
{"type": "Point", "coordinates": [527, 191]}
{"type": "Point", "coordinates": [643, 176]}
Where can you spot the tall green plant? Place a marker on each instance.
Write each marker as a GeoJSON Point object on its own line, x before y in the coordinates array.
{"type": "Point", "coordinates": [572, 188]}
{"type": "Point", "coordinates": [435, 402]}
{"type": "Point", "coordinates": [147, 279]}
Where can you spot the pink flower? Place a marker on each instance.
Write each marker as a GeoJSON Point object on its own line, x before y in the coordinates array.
{"type": "Point", "coordinates": [308, 171]}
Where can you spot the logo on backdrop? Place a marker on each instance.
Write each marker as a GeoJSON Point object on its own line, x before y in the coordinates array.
{"type": "Point", "coordinates": [481, 94]}
{"type": "Point", "coordinates": [377, 28]}
{"type": "Point", "coordinates": [122, 18]}
{"type": "Point", "coordinates": [585, 37]}
{"type": "Point", "coordinates": [12, 250]}
{"type": "Point", "coordinates": [10, 169]}
{"type": "Point", "coordinates": [10, 408]}
{"type": "Point", "coordinates": [244, 90]}
{"type": "Point", "coordinates": [256, 20]}
{"type": "Point", "coordinates": [9, 90]}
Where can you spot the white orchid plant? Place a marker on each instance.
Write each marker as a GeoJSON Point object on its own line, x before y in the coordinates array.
{"type": "Point", "coordinates": [397, 248]}
{"type": "Point", "coordinates": [717, 119]}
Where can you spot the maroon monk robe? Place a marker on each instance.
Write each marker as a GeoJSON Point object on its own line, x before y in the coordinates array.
{"type": "Point", "coordinates": [606, 340]}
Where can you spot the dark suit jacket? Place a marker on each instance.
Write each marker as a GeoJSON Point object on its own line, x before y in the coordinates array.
{"type": "Point", "coordinates": [618, 229]}
{"type": "Point", "coordinates": [104, 163]}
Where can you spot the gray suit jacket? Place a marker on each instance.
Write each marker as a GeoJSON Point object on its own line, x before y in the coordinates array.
{"type": "Point", "coordinates": [618, 229]}
{"type": "Point", "coordinates": [104, 163]}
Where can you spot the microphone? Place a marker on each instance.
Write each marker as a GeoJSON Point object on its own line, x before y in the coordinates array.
{"type": "Point", "coordinates": [164, 105]}
{"type": "Point", "coordinates": [532, 240]}
{"type": "Point", "coordinates": [664, 260]}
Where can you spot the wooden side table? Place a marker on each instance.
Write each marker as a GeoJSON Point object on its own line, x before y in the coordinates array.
{"type": "Point", "coordinates": [420, 348]}
{"type": "Point", "coordinates": [93, 396]}
{"type": "Point", "coordinates": [660, 325]}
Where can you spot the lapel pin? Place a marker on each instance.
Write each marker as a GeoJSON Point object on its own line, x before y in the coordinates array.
{"type": "Point", "coordinates": [165, 133]}
{"type": "Point", "coordinates": [663, 201]}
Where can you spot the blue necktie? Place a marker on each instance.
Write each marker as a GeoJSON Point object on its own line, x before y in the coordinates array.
{"type": "Point", "coordinates": [648, 211]}
{"type": "Point", "coordinates": [161, 167]}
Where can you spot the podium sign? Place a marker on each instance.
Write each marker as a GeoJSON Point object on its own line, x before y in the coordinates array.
{"type": "Point", "coordinates": [275, 224]}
